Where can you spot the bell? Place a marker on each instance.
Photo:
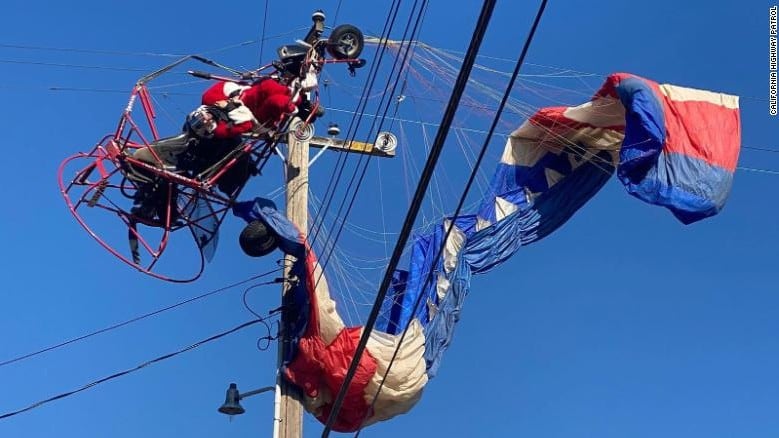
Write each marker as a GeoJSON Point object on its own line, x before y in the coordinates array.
{"type": "Point", "coordinates": [333, 129]}
{"type": "Point", "coordinates": [231, 405]}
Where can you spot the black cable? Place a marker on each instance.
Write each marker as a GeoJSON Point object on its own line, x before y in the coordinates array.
{"type": "Point", "coordinates": [135, 319]}
{"type": "Point", "coordinates": [121, 53]}
{"type": "Point", "coordinates": [350, 137]}
{"type": "Point", "coordinates": [466, 190]}
{"type": "Point", "coordinates": [63, 65]}
{"type": "Point", "coordinates": [262, 38]}
{"type": "Point", "coordinates": [325, 259]}
{"type": "Point", "coordinates": [351, 185]}
{"type": "Point", "coordinates": [337, 9]}
{"type": "Point", "coordinates": [427, 173]}
{"type": "Point", "coordinates": [128, 371]}
{"type": "Point", "coordinates": [356, 119]}
{"type": "Point", "coordinates": [94, 51]}
{"type": "Point", "coordinates": [401, 61]}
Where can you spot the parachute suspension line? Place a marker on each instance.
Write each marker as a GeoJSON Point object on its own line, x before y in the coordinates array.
{"type": "Point", "coordinates": [349, 270]}
{"type": "Point", "coordinates": [575, 148]}
{"type": "Point", "coordinates": [466, 147]}
{"type": "Point", "coordinates": [131, 370]}
{"type": "Point", "coordinates": [135, 319]}
{"type": "Point", "coordinates": [406, 161]}
{"type": "Point", "coordinates": [459, 87]}
{"type": "Point", "coordinates": [438, 208]}
{"type": "Point", "coordinates": [461, 202]}
{"type": "Point", "coordinates": [388, 98]}
{"type": "Point", "coordinates": [381, 207]}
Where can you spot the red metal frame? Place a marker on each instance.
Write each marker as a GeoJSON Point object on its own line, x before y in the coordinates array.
{"type": "Point", "coordinates": [110, 190]}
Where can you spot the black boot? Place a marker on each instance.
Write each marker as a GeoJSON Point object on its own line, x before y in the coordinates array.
{"type": "Point", "coordinates": [144, 207]}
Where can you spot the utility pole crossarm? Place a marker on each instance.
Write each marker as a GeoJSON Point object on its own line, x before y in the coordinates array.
{"type": "Point", "coordinates": [384, 147]}
{"type": "Point", "coordinates": [360, 147]}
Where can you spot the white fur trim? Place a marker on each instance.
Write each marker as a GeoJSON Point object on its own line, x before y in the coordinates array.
{"type": "Point", "coordinates": [240, 114]}
{"type": "Point", "coordinates": [231, 87]}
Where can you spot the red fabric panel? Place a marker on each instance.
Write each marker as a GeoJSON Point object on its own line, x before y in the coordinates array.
{"type": "Point", "coordinates": [554, 119]}
{"type": "Point", "coordinates": [318, 367]}
{"type": "Point", "coordinates": [609, 87]}
{"type": "Point", "coordinates": [700, 137]}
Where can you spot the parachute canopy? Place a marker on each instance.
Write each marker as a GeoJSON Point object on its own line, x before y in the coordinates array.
{"type": "Point", "coordinates": [671, 146]}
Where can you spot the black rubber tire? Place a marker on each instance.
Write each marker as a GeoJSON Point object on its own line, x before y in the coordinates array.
{"type": "Point", "coordinates": [345, 42]}
{"type": "Point", "coordinates": [257, 239]}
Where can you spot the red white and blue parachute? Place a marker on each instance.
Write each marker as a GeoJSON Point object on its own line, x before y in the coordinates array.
{"type": "Point", "coordinates": [670, 146]}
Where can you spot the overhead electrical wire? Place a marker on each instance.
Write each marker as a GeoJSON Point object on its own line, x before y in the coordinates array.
{"type": "Point", "coordinates": [457, 92]}
{"type": "Point", "coordinates": [466, 190]}
{"type": "Point", "coordinates": [264, 25]}
{"type": "Point", "coordinates": [354, 124]}
{"type": "Point", "coordinates": [324, 260]}
{"type": "Point", "coordinates": [150, 54]}
{"type": "Point", "coordinates": [130, 370]}
{"type": "Point", "coordinates": [139, 318]}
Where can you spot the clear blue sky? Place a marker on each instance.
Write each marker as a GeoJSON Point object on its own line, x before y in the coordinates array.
{"type": "Point", "coordinates": [624, 323]}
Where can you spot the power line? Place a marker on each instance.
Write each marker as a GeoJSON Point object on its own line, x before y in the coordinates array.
{"type": "Point", "coordinates": [152, 54]}
{"type": "Point", "coordinates": [92, 51]}
{"type": "Point", "coordinates": [131, 370]}
{"type": "Point", "coordinates": [391, 92]}
{"type": "Point", "coordinates": [137, 318]}
{"type": "Point", "coordinates": [64, 65]}
{"type": "Point", "coordinates": [466, 190]}
{"type": "Point", "coordinates": [337, 10]}
{"type": "Point", "coordinates": [355, 122]}
{"type": "Point", "coordinates": [753, 169]}
{"type": "Point", "coordinates": [427, 173]}
{"type": "Point", "coordinates": [262, 37]}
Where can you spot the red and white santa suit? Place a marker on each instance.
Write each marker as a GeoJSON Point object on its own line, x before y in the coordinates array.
{"type": "Point", "coordinates": [263, 103]}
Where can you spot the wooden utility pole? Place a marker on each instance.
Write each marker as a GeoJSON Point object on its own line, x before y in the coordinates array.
{"type": "Point", "coordinates": [289, 422]}
{"type": "Point", "coordinates": [291, 410]}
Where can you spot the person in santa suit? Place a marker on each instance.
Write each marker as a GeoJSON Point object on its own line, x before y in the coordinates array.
{"type": "Point", "coordinates": [258, 107]}
{"type": "Point", "coordinates": [228, 110]}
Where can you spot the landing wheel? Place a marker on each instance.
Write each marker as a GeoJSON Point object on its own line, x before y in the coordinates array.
{"type": "Point", "coordinates": [345, 42]}
{"type": "Point", "coordinates": [257, 239]}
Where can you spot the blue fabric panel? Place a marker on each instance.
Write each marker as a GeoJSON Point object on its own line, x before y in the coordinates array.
{"type": "Point", "coordinates": [291, 243]}
{"type": "Point", "coordinates": [676, 183]}
{"type": "Point", "coordinates": [644, 132]}
{"type": "Point", "coordinates": [512, 182]}
{"type": "Point", "coordinates": [264, 210]}
{"type": "Point", "coordinates": [439, 332]}
{"type": "Point", "coordinates": [558, 204]}
{"type": "Point", "coordinates": [420, 268]}
{"type": "Point", "coordinates": [390, 314]}
{"type": "Point", "coordinates": [494, 244]}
